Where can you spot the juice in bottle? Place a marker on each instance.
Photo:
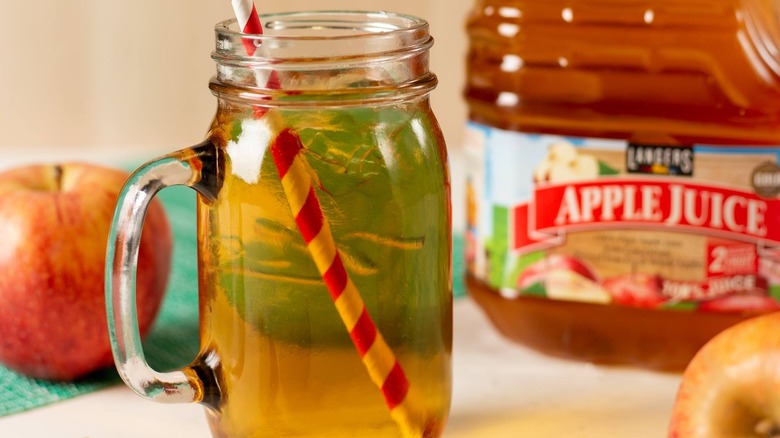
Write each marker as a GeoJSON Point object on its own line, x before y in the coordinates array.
{"type": "Point", "coordinates": [624, 179]}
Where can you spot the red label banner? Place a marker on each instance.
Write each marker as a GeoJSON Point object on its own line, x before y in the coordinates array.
{"type": "Point", "coordinates": [657, 203]}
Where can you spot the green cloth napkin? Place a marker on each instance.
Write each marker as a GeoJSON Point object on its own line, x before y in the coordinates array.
{"type": "Point", "coordinates": [173, 342]}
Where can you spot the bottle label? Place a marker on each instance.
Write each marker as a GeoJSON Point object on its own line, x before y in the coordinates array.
{"type": "Point", "coordinates": [605, 221]}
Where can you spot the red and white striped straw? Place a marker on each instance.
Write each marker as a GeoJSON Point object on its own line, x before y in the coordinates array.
{"type": "Point", "coordinates": [377, 357]}
{"type": "Point", "coordinates": [380, 361]}
{"type": "Point", "coordinates": [248, 22]}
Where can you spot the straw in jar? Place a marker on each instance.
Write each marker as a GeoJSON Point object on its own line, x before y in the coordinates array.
{"type": "Point", "coordinates": [378, 358]}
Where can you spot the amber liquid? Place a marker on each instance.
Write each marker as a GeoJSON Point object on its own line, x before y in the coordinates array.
{"type": "Point", "coordinates": [282, 359]}
{"type": "Point", "coordinates": [674, 72]}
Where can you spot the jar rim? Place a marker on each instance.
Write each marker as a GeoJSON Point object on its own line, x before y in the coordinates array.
{"type": "Point", "coordinates": [341, 24]}
{"type": "Point", "coordinates": [339, 56]}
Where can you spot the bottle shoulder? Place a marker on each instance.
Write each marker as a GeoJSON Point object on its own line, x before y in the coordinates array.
{"type": "Point", "coordinates": [682, 60]}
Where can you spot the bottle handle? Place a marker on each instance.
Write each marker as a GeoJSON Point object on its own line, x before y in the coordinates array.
{"type": "Point", "coordinates": [190, 167]}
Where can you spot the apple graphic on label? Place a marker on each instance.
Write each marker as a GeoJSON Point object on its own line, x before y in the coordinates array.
{"type": "Point", "coordinates": [564, 278]}
{"type": "Point", "coordinates": [564, 163]}
{"type": "Point", "coordinates": [636, 289]}
{"type": "Point", "coordinates": [751, 302]}
{"type": "Point", "coordinates": [770, 270]}
{"type": "Point", "coordinates": [731, 388]}
{"type": "Point", "coordinates": [561, 152]}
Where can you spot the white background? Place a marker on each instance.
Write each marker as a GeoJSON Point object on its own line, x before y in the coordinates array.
{"type": "Point", "coordinates": [132, 76]}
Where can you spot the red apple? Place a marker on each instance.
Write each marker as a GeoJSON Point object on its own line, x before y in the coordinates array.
{"type": "Point", "coordinates": [635, 289]}
{"type": "Point", "coordinates": [54, 223]}
{"type": "Point", "coordinates": [731, 388]}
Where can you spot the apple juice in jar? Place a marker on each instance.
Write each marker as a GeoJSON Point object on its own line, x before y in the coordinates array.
{"type": "Point", "coordinates": [289, 367]}
{"type": "Point", "coordinates": [623, 184]}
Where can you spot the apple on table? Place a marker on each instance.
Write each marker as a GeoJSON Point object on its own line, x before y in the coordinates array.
{"type": "Point", "coordinates": [731, 388]}
{"type": "Point", "coordinates": [54, 225]}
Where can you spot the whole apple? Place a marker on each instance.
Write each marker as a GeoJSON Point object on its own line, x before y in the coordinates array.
{"type": "Point", "coordinates": [54, 224]}
{"type": "Point", "coordinates": [731, 388]}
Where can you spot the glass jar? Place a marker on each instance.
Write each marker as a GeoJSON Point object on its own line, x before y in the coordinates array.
{"type": "Point", "coordinates": [287, 345]}
{"type": "Point", "coordinates": [623, 173]}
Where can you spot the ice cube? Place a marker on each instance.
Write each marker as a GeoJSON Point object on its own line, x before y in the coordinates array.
{"type": "Point", "coordinates": [246, 153]}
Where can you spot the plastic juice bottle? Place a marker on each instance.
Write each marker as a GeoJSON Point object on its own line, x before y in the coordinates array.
{"type": "Point", "coordinates": [624, 179]}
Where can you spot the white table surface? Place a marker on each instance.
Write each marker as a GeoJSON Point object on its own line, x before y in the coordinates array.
{"type": "Point", "coordinates": [501, 389]}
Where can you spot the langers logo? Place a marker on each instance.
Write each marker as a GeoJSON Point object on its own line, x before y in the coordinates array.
{"type": "Point", "coordinates": [659, 160]}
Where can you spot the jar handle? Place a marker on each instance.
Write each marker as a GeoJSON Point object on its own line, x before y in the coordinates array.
{"type": "Point", "coordinates": [192, 167]}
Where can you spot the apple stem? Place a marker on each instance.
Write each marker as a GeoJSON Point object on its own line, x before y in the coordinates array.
{"type": "Point", "coordinates": [767, 428]}
{"type": "Point", "coordinates": [58, 177]}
